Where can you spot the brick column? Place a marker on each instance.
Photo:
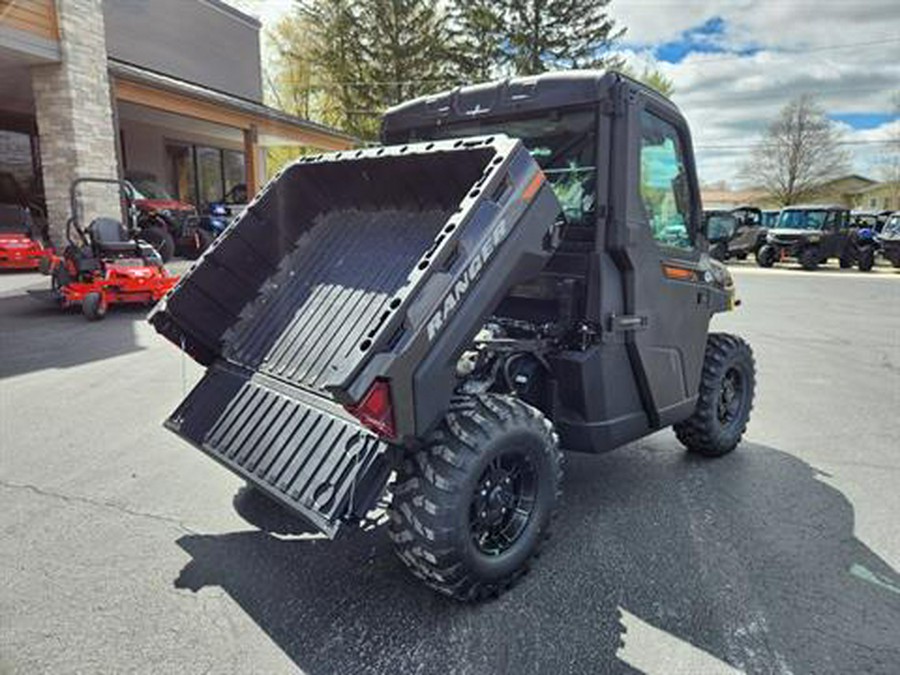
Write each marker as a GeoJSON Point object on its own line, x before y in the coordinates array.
{"type": "Point", "coordinates": [73, 108]}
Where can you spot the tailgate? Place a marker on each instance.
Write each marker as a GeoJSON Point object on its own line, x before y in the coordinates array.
{"type": "Point", "coordinates": [318, 462]}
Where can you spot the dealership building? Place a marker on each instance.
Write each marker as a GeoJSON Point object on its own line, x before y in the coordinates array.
{"type": "Point", "coordinates": [168, 89]}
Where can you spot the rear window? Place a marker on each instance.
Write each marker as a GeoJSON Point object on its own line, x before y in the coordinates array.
{"type": "Point", "coordinates": [563, 144]}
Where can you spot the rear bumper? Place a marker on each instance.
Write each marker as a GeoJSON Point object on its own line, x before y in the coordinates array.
{"type": "Point", "coordinates": [298, 448]}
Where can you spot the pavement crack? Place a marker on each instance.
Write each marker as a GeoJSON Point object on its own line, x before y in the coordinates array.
{"type": "Point", "coordinates": [72, 499]}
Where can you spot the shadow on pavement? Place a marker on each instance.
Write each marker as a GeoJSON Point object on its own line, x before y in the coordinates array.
{"type": "Point", "coordinates": [750, 558]}
{"type": "Point", "coordinates": [37, 334]}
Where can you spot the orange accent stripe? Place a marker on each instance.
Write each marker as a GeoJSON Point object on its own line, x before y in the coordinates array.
{"type": "Point", "coordinates": [532, 188]}
{"type": "Point", "coordinates": [679, 273]}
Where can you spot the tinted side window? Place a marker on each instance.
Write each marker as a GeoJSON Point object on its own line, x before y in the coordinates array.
{"type": "Point", "coordinates": [663, 184]}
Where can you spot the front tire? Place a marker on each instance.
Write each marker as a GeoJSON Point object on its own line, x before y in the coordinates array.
{"type": "Point", "coordinates": [766, 255]}
{"type": "Point", "coordinates": [809, 258]}
{"type": "Point", "coordinates": [159, 239]}
{"type": "Point", "coordinates": [719, 251]}
{"type": "Point", "coordinates": [723, 410]}
{"type": "Point", "coordinates": [473, 506]}
{"type": "Point", "coordinates": [93, 306]}
{"type": "Point", "coordinates": [866, 260]}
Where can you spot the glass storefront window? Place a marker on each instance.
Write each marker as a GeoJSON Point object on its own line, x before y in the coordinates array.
{"type": "Point", "coordinates": [235, 176]}
{"type": "Point", "coordinates": [184, 184]}
{"type": "Point", "coordinates": [210, 185]}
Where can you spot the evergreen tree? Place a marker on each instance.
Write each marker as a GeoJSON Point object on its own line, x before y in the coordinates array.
{"type": "Point", "coordinates": [477, 33]}
{"type": "Point", "coordinates": [559, 35]}
{"type": "Point", "coordinates": [405, 50]}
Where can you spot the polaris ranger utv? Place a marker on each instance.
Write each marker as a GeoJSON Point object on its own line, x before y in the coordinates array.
{"type": "Point", "coordinates": [522, 268]}
{"type": "Point", "coordinates": [811, 234]}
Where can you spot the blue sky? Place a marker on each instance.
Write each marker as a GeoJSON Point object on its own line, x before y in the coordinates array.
{"type": "Point", "coordinates": [736, 64]}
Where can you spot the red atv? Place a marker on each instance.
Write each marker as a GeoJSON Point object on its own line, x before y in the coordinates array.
{"type": "Point", "coordinates": [169, 225]}
{"type": "Point", "coordinates": [102, 265]}
{"type": "Point", "coordinates": [23, 241]}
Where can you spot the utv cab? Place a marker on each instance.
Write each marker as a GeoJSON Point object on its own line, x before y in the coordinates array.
{"type": "Point", "coordinates": [750, 233]}
{"type": "Point", "coordinates": [889, 239]}
{"type": "Point", "coordinates": [522, 268]}
{"type": "Point", "coordinates": [809, 234]}
{"type": "Point", "coordinates": [720, 227]}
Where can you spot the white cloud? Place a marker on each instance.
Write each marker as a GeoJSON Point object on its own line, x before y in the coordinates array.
{"type": "Point", "coordinates": [729, 99]}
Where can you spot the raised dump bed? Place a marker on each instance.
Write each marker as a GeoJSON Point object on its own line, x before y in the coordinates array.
{"type": "Point", "coordinates": [337, 304]}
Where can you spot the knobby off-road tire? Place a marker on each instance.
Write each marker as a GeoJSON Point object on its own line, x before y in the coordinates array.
{"type": "Point", "coordinates": [766, 255]}
{"type": "Point", "coordinates": [845, 262]}
{"type": "Point", "coordinates": [473, 506]}
{"type": "Point", "coordinates": [809, 258]}
{"type": "Point", "coordinates": [202, 242]}
{"type": "Point", "coordinates": [723, 410]}
{"type": "Point", "coordinates": [719, 251]}
{"type": "Point", "coordinates": [159, 239]}
{"type": "Point", "coordinates": [866, 260]}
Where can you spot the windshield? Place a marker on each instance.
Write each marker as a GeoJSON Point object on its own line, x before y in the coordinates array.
{"type": "Point", "coordinates": [9, 192]}
{"type": "Point", "coordinates": [564, 145]}
{"type": "Point", "coordinates": [14, 219]}
{"type": "Point", "coordinates": [804, 220]}
{"type": "Point", "coordinates": [770, 218]}
{"type": "Point", "coordinates": [146, 188]}
{"type": "Point", "coordinates": [892, 226]}
{"type": "Point", "coordinates": [720, 226]}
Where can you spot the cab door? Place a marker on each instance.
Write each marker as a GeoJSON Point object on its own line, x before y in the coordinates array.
{"type": "Point", "coordinates": [658, 247]}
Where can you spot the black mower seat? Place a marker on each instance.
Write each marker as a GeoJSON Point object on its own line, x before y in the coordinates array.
{"type": "Point", "coordinates": [109, 236]}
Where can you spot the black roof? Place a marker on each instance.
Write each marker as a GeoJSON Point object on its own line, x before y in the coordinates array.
{"type": "Point", "coordinates": [815, 207]}
{"type": "Point", "coordinates": [504, 98]}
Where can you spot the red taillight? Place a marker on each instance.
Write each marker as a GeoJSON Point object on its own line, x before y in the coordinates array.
{"type": "Point", "coordinates": [375, 410]}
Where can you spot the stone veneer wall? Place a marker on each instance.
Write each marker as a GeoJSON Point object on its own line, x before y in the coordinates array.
{"type": "Point", "coordinates": [74, 116]}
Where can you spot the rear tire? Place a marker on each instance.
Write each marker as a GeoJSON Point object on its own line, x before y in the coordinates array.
{"type": "Point", "coordinates": [845, 262]}
{"type": "Point", "coordinates": [809, 258]}
{"type": "Point", "coordinates": [93, 306]}
{"type": "Point", "coordinates": [766, 255]}
{"type": "Point", "coordinates": [159, 239]}
{"type": "Point", "coordinates": [203, 240]}
{"type": "Point", "coordinates": [723, 410]}
{"type": "Point", "coordinates": [473, 506]}
{"type": "Point", "coordinates": [59, 279]}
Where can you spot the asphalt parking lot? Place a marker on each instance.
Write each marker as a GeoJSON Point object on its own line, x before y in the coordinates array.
{"type": "Point", "coordinates": [124, 550]}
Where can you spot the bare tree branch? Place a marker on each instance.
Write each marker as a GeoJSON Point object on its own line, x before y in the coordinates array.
{"type": "Point", "coordinates": [799, 153]}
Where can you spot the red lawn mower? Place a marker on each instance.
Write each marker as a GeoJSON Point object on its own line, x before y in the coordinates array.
{"type": "Point", "coordinates": [23, 243]}
{"type": "Point", "coordinates": [102, 265]}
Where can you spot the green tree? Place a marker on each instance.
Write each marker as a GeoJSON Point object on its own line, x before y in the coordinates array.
{"type": "Point", "coordinates": [558, 35]}
{"type": "Point", "coordinates": [477, 33]}
{"type": "Point", "coordinates": [404, 50]}
{"type": "Point", "coordinates": [334, 36]}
